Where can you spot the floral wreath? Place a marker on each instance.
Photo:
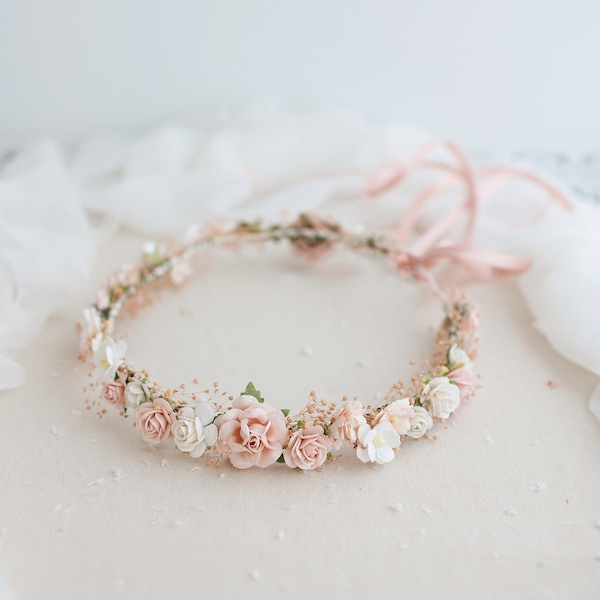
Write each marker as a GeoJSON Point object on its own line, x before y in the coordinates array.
{"type": "Point", "coordinates": [209, 423]}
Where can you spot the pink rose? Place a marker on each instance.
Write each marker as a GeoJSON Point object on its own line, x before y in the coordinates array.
{"type": "Point", "coordinates": [346, 419]}
{"type": "Point", "coordinates": [398, 414]}
{"type": "Point", "coordinates": [463, 379]}
{"type": "Point", "coordinates": [307, 448]}
{"type": "Point", "coordinates": [114, 393]}
{"type": "Point", "coordinates": [251, 433]}
{"type": "Point", "coordinates": [154, 420]}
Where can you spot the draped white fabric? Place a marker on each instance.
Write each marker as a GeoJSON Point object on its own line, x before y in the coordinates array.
{"type": "Point", "coordinates": [260, 161]}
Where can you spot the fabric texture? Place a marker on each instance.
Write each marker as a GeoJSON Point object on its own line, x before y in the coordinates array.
{"type": "Point", "coordinates": [97, 515]}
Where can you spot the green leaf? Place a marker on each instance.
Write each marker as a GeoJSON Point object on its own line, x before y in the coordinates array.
{"type": "Point", "coordinates": [281, 459]}
{"type": "Point", "coordinates": [300, 424]}
{"type": "Point", "coordinates": [252, 391]}
{"type": "Point", "coordinates": [285, 411]}
{"type": "Point", "coordinates": [426, 379]}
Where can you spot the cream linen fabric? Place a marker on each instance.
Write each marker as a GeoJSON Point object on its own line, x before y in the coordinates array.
{"type": "Point", "coordinates": [88, 512]}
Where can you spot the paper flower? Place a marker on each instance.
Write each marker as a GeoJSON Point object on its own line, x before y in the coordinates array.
{"type": "Point", "coordinates": [108, 358]}
{"type": "Point", "coordinates": [345, 421]}
{"type": "Point", "coordinates": [154, 420]}
{"type": "Point", "coordinates": [377, 444]}
{"type": "Point", "coordinates": [457, 357]}
{"type": "Point", "coordinates": [136, 392]}
{"type": "Point", "coordinates": [441, 396]}
{"type": "Point", "coordinates": [420, 423]}
{"type": "Point", "coordinates": [252, 433]}
{"type": "Point", "coordinates": [114, 393]}
{"type": "Point", "coordinates": [398, 414]}
{"type": "Point", "coordinates": [307, 448]}
{"type": "Point", "coordinates": [194, 429]}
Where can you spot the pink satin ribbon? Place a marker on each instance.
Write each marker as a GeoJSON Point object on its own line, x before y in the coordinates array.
{"type": "Point", "coordinates": [432, 246]}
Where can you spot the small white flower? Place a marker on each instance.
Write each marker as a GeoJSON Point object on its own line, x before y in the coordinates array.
{"type": "Point", "coordinates": [153, 253]}
{"type": "Point", "coordinates": [457, 358]}
{"type": "Point", "coordinates": [194, 429]}
{"type": "Point", "coordinates": [420, 424]}
{"type": "Point", "coordinates": [180, 273]}
{"type": "Point", "coordinates": [90, 334]}
{"type": "Point", "coordinates": [136, 392]}
{"type": "Point", "coordinates": [108, 358]}
{"type": "Point", "coordinates": [377, 444]}
{"type": "Point", "coordinates": [441, 396]}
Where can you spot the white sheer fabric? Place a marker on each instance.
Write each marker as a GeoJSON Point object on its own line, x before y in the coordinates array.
{"type": "Point", "coordinates": [261, 161]}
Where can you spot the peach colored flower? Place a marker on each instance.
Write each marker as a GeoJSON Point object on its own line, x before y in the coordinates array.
{"type": "Point", "coordinates": [307, 448]}
{"type": "Point", "coordinates": [154, 420]}
{"type": "Point", "coordinates": [398, 414]}
{"type": "Point", "coordinates": [463, 379]}
{"type": "Point", "coordinates": [313, 247]}
{"type": "Point", "coordinates": [346, 419]}
{"type": "Point", "coordinates": [252, 434]}
{"type": "Point", "coordinates": [114, 393]}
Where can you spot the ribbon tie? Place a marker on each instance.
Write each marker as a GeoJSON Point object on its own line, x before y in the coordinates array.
{"type": "Point", "coordinates": [433, 245]}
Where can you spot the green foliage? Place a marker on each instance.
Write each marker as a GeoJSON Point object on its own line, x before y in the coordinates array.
{"type": "Point", "coordinates": [252, 391]}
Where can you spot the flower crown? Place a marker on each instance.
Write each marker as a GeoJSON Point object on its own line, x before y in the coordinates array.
{"type": "Point", "coordinates": [246, 429]}
{"type": "Point", "coordinates": [206, 422]}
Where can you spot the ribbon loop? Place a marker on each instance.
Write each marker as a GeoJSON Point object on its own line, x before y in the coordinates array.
{"type": "Point", "coordinates": [432, 246]}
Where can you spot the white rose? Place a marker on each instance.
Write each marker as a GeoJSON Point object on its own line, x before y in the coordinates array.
{"type": "Point", "coordinates": [194, 429]}
{"type": "Point", "coordinates": [136, 392]}
{"type": "Point", "coordinates": [457, 358]}
{"type": "Point", "coordinates": [420, 424]}
{"type": "Point", "coordinates": [442, 397]}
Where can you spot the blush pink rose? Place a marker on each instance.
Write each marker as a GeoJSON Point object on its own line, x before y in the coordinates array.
{"type": "Point", "coordinates": [307, 448]}
{"type": "Point", "coordinates": [252, 434]}
{"type": "Point", "coordinates": [463, 379]}
{"type": "Point", "coordinates": [114, 393]}
{"type": "Point", "coordinates": [346, 419]}
{"type": "Point", "coordinates": [398, 414]}
{"type": "Point", "coordinates": [154, 420]}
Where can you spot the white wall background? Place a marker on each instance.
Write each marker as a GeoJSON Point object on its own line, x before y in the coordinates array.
{"type": "Point", "coordinates": [490, 73]}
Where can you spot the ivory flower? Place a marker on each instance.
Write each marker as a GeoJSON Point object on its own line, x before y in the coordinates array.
{"type": "Point", "coordinates": [345, 421]}
{"type": "Point", "coordinates": [398, 413]}
{"type": "Point", "coordinates": [457, 358]}
{"type": "Point", "coordinates": [194, 429]}
{"type": "Point", "coordinates": [108, 358]}
{"type": "Point", "coordinates": [180, 273]}
{"type": "Point", "coordinates": [136, 393]}
{"type": "Point", "coordinates": [252, 433]}
{"type": "Point", "coordinates": [377, 444]}
{"type": "Point", "coordinates": [420, 424]}
{"type": "Point", "coordinates": [441, 396]}
{"type": "Point", "coordinates": [90, 334]}
{"type": "Point", "coordinates": [307, 448]}
{"type": "Point", "coordinates": [154, 420]}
